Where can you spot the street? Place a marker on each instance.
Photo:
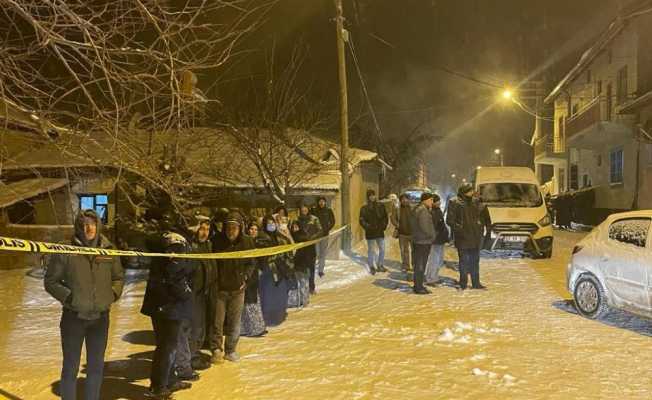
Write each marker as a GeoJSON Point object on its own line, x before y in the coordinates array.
{"type": "Point", "coordinates": [369, 337]}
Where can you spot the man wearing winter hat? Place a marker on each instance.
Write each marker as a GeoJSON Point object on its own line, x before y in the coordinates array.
{"type": "Point", "coordinates": [467, 218]}
{"type": "Point", "coordinates": [327, 221]}
{"type": "Point", "coordinates": [374, 220]}
{"type": "Point", "coordinates": [423, 236]}
{"type": "Point", "coordinates": [232, 275]}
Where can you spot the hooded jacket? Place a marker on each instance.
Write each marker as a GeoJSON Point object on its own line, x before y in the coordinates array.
{"type": "Point", "coordinates": [467, 218]}
{"type": "Point", "coordinates": [85, 284]}
{"type": "Point", "coordinates": [169, 286]}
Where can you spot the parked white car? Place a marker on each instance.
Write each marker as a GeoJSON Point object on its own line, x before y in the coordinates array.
{"type": "Point", "coordinates": [612, 267]}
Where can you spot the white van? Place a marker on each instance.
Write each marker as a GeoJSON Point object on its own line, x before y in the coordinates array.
{"type": "Point", "coordinates": [517, 210]}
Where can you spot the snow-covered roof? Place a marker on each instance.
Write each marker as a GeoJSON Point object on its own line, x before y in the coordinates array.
{"type": "Point", "coordinates": [15, 192]}
{"type": "Point", "coordinates": [587, 57]}
{"type": "Point", "coordinates": [635, 9]}
{"type": "Point", "coordinates": [213, 157]}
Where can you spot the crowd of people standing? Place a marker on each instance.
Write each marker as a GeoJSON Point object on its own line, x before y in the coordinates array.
{"type": "Point", "coordinates": [422, 232]}
{"type": "Point", "coordinates": [193, 304]}
{"type": "Point", "coordinates": [207, 304]}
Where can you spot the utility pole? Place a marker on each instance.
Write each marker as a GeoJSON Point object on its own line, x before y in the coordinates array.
{"type": "Point", "coordinates": [344, 126]}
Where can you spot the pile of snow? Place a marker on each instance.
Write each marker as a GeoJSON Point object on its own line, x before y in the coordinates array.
{"type": "Point", "coordinates": [463, 332]}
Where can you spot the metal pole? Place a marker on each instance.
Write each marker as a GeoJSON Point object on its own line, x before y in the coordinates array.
{"type": "Point", "coordinates": [344, 128]}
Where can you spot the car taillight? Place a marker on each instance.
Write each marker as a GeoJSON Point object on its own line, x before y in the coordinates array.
{"type": "Point", "coordinates": [577, 249]}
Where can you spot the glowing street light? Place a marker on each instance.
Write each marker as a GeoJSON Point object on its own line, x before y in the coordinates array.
{"type": "Point", "coordinates": [507, 94]}
{"type": "Point", "coordinates": [453, 176]}
{"type": "Point", "coordinates": [478, 167]}
{"type": "Point", "coordinates": [497, 152]}
{"type": "Point", "coordinates": [463, 180]}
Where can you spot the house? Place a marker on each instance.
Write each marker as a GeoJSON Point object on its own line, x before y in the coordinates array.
{"type": "Point", "coordinates": [48, 180]}
{"type": "Point", "coordinates": [595, 139]}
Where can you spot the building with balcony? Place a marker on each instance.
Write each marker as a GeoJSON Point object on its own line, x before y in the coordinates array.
{"type": "Point", "coordinates": [593, 128]}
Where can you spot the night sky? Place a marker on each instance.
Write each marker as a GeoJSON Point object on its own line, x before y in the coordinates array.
{"type": "Point", "coordinates": [404, 47]}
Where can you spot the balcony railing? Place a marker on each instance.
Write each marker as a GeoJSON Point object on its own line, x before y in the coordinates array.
{"type": "Point", "coordinates": [544, 145]}
{"type": "Point", "coordinates": [585, 118]}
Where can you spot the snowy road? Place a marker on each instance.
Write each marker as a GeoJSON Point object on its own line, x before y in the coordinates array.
{"type": "Point", "coordinates": [368, 337]}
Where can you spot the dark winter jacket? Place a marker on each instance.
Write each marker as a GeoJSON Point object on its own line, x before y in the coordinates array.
{"type": "Point", "coordinates": [309, 229]}
{"type": "Point", "coordinates": [374, 220]}
{"type": "Point", "coordinates": [441, 230]}
{"type": "Point", "coordinates": [169, 287]}
{"type": "Point", "coordinates": [467, 218]}
{"type": "Point", "coordinates": [233, 273]}
{"type": "Point", "coordinates": [281, 265]}
{"type": "Point", "coordinates": [326, 218]}
{"type": "Point", "coordinates": [401, 219]}
{"type": "Point", "coordinates": [423, 230]}
{"type": "Point", "coordinates": [205, 272]}
{"type": "Point", "coordinates": [85, 284]}
{"type": "Point", "coordinates": [251, 292]}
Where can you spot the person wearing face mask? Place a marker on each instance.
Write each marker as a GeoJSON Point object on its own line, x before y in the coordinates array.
{"type": "Point", "coordinates": [274, 278]}
{"type": "Point", "coordinates": [252, 323]}
{"type": "Point", "coordinates": [86, 286]}
{"type": "Point", "coordinates": [468, 219]}
{"type": "Point", "coordinates": [232, 280]}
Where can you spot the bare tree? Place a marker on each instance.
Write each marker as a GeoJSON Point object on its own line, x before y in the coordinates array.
{"type": "Point", "coordinates": [278, 135]}
{"type": "Point", "coordinates": [115, 69]}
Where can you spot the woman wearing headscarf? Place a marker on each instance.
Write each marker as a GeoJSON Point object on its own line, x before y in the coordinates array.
{"type": "Point", "coordinates": [274, 279]}
{"type": "Point", "coordinates": [252, 322]}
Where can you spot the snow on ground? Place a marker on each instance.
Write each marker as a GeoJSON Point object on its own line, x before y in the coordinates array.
{"type": "Point", "coordinates": [365, 337]}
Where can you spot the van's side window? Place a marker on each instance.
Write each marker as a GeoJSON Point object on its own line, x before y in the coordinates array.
{"type": "Point", "coordinates": [632, 231]}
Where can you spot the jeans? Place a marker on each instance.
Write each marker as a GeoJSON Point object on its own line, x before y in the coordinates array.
{"type": "Point", "coordinates": [371, 254]}
{"type": "Point", "coordinates": [184, 355]}
{"type": "Point", "coordinates": [74, 332]}
{"type": "Point", "coordinates": [166, 333]}
{"type": "Point", "coordinates": [435, 262]}
{"type": "Point", "coordinates": [405, 244]}
{"type": "Point", "coordinates": [421, 253]}
{"type": "Point", "coordinates": [228, 309]}
{"type": "Point", "coordinates": [199, 322]}
{"type": "Point", "coordinates": [322, 251]}
{"type": "Point", "coordinates": [469, 264]}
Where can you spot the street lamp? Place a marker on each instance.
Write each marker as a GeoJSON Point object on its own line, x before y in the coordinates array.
{"type": "Point", "coordinates": [499, 154]}
{"type": "Point", "coordinates": [453, 176]}
{"type": "Point", "coordinates": [478, 167]}
{"type": "Point", "coordinates": [507, 94]}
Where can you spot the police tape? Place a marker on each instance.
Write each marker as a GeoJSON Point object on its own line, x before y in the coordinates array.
{"type": "Point", "coordinates": [30, 246]}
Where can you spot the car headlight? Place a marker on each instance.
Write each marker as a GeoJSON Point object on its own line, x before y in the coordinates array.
{"type": "Point", "coordinates": [545, 221]}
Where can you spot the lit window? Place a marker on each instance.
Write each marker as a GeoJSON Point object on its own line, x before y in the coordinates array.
{"type": "Point", "coordinates": [97, 202]}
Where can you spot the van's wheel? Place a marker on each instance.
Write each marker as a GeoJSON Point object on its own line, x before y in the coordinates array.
{"type": "Point", "coordinates": [589, 297]}
{"type": "Point", "coordinates": [547, 254]}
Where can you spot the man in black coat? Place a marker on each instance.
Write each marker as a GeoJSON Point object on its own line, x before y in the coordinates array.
{"type": "Point", "coordinates": [468, 218]}
{"type": "Point", "coordinates": [374, 220]}
{"type": "Point", "coordinates": [327, 221]}
{"type": "Point", "coordinates": [232, 275]}
{"type": "Point", "coordinates": [168, 301]}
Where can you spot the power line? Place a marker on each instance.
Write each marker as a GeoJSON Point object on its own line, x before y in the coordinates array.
{"type": "Point", "coordinates": [364, 87]}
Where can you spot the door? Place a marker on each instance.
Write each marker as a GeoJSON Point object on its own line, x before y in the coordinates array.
{"type": "Point", "coordinates": [625, 260]}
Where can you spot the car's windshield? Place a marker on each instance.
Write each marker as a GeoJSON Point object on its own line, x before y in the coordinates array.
{"type": "Point", "coordinates": [510, 194]}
